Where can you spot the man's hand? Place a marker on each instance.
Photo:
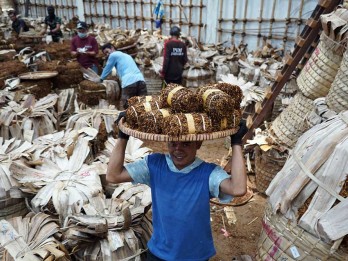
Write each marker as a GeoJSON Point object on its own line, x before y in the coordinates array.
{"type": "Point", "coordinates": [121, 134]}
{"type": "Point", "coordinates": [236, 139]}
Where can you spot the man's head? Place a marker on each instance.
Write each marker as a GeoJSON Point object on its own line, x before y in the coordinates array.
{"type": "Point", "coordinates": [107, 49]}
{"type": "Point", "coordinates": [81, 29]}
{"type": "Point", "coordinates": [183, 153]}
{"type": "Point", "coordinates": [175, 31]}
{"type": "Point", "coordinates": [12, 15]}
{"type": "Point", "coordinates": [50, 10]}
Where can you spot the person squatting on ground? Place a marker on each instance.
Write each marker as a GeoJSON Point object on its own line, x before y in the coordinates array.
{"type": "Point", "coordinates": [85, 48]}
{"type": "Point", "coordinates": [181, 187]}
{"type": "Point", "coordinates": [174, 57]}
{"type": "Point", "coordinates": [53, 22]}
{"type": "Point", "coordinates": [18, 24]}
{"type": "Point", "coordinates": [132, 80]}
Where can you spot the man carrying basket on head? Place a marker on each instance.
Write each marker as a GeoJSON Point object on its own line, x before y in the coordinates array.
{"type": "Point", "coordinates": [181, 186]}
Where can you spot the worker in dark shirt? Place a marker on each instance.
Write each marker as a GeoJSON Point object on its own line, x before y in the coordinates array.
{"type": "Point", "coordinates": [174, 57]}
{"type": "Point", "coordinates": [18, 24]}
{"type": "Point", "coordinates": [53, 22]}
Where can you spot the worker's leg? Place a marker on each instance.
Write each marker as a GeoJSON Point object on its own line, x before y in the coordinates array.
{"type": "Point", "coordinates": [141, 88]}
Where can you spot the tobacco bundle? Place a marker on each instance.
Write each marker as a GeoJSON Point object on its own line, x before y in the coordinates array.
{"type": "Point", "coordinates": [232, 90]}
{"type": "Point", "coordinates": [134, 112]}
{"type": "Point", "coordinates": [220, 124]}
{"type": "Point", "coordinates": [141, 99]}
{"type": "Point", "coordinates": [152, 121]}
{"type": "Point", "coordinates": [180, 99]}
{"type": "Point", "coordinates": [186, 123]}
{"type": "Point", "coordinates": [216, 103]}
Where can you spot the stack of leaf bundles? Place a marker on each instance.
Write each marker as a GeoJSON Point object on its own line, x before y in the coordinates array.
{"type": "Point", "coordinates": [229, 122]}
{"type": "Point", "coordinates": [180, 99]}
{"type": "Point", "coordinates": [186, 123]}
{"type": "Point", "coordinates": [216, 103]}
{"type": "Point", "coordinates": [152, 121]}
{"type": "Point", "coordinates": [232, 90]}
{"type": "Point", "coordinates": [141, 99]}
{"type": "Point", "coordinates": [134, 112]}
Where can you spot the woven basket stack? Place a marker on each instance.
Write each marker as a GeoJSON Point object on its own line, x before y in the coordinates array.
{"type": "Point", "coordinates": [315, 80]}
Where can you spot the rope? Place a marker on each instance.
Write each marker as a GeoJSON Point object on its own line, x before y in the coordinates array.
{"type": "Point", "coordinates": [179, 123]}
{"type": "Point", "coordinates": [316, 180]}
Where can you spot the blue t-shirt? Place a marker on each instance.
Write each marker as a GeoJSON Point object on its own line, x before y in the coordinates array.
{"type": "Point", "coordinates": [126, 68]}
{"type": "Point", "coordinates": [180, 205]}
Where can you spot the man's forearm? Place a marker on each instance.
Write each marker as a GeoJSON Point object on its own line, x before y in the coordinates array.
{"type": "Point", "coordinates": [116, 172]}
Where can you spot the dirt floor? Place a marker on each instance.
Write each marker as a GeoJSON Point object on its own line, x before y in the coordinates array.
{"type": "Point", "coordinates": [242, 236]}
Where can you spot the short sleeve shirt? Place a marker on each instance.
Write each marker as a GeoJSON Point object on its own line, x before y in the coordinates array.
{"type": "Point", "coordinates": [139, 172]}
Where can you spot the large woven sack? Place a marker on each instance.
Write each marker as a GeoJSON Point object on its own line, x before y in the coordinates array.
{"type": "Point", "coordinates": [320, 70]}
{"type": "Point", "coordinates": [281, 239]}
{"type": "Point", "coordinates": [337, 99]}
{"type": "Point", "coordinates": [291, 124]}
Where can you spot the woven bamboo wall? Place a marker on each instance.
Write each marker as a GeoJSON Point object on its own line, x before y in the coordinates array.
{"type": "Point", "coordinates": [209, 21]}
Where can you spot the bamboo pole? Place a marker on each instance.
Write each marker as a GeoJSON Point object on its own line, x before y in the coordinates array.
{"type": "Point", "coordinates": [272, 19]}
{"type": "Point", "coordinates": [234, 19]}
{"type": "Point", "coordinates": [245, 18]}
{"type": "Point", "coordinates": [126, 13]}
{"type": "Point", "coordinates": [134, 12]}
{"type": "Point", "coordinates": [287, 24]}
{"type": "Point", "coordinates": [180, 17]}
{"type": "Point", "coordinates": [300, 13]}
{"type": "Point", "coordinates": [151, 8]}
{"type": "Point", "coordinates": [190, 17]}
{"type": "Point", "coordinates": [118, 13]}
{"type": "Point", "coordinates": [200, 21]}
{"type": "Point", "coordinates": [142, 14]}
{"type": "Point", "coordinates": [110, 12]}
{"type": "Point", "coordinates": [171, 14]}
{"type": "Point", "coordinates": [260, 20]}
{"type": "Point", "coordinates": [220, 21]}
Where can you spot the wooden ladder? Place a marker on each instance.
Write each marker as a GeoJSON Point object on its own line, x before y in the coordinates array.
{"type": "Point", "coordinates": [305, 44]}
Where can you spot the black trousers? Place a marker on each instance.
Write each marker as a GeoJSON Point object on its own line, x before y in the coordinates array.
{"type": "Point", "coordinates": [135, 89]}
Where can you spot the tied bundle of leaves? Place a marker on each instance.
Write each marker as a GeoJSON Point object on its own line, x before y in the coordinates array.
{"type": "Point", "coordinates": [180, 99]}
{"type": "Point", "coordinates": [216, 103]}
{"type": "Point", "coordinates": [232, 90]}
{"type": "Point", "coordinates": [133, 113]}
{"type": "Point", "coordinates": [227, 122]}
{"type": "Point", "coordinates": [152, 121]}
{"type": "Point", "coordinates": [141, 99]}
{"type": "Point", "coordinates": [186, 123]}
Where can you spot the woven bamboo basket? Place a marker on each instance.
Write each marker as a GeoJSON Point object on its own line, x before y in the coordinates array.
{"type": "Point", "coordinates": [281, 239]}
{"type": "Point", "coordinates": [267, 165]}
{"type": "Point", "coordinates": [291, 124]}
{"type": "Point", "coordinates": [320, 71]}
{"type": "Point", "coordinates": [162, 137]}
{"type": "Point", "coordinates": [337, 98]}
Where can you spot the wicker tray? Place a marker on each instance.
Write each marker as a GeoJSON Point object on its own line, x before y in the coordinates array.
{"type": "Point", "coordinates": [38, 75]}
{"type": "Point", "coordinates": [161, 137]}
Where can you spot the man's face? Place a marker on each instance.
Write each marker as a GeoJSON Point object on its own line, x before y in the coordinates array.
{"type": "Point", "coordinates": [183, 153]}
{"type": "Point", "coordinates": [12, 17]}
{"type": "Point", "coordinates": [82, 30]}
{"type": "Point", "coordinates": [108, 51]}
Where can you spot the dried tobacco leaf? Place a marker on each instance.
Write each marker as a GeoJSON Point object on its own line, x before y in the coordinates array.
{"type": "Point", "coordinates": [152, 121]}
{"type": "Point", "coordinates": [141, 99]}
{"type": "Point", "coordinates": [233, 90]}
{"type": "Point", "coordinates": [180, 99]}
{"type": "Point", "coordinates": [186, 123]}
{"type": "Point", "coordinates": [216, 103]}
{"type": "Point", "coordinates": [134, 112]}
{"type": "Point", "coordinates": [227, 122]}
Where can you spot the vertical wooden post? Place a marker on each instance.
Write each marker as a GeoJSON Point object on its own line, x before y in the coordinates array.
{"type": "Point", "coordinates": [245, 19]}
{"type": "Point", "coordinates": [200, 21]}
{"type": "Point", "coordinates": [259, 38]}
{"type": "Point", "coordinates": [287, 24]}
{"type": "Point", "coordinates": [220, 21]}
{"type": "Point", "coordinates": [272, 19]}
{"type": "Point", "coordinates": [235, 19]}
{"type": "Point", "coordinates": [142, 14]}
{"type": "Point", "coordinates": [190, 17]}
{"type": "Point", "coordinates": [135, 14]}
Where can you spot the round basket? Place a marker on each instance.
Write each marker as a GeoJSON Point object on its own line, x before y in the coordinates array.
{"type": "Point", "coordinates": [320, 70]}
{"type": "Point", "coordinates": [291, 124]}
{"type": "Point", "coordinates": [267, 165]}
{"type": "Point", "coordinates": [281, 239]}
{"type": "Point", "coordinates": [162, 137]}
{"type": "Point", "coordinates": [337, 98]}
{"type": "Point", "coordinates": [38, 75]}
